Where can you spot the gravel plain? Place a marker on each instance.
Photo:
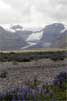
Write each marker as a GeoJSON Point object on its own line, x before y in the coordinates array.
{"type": "Point", "coordinates": [20, 72]}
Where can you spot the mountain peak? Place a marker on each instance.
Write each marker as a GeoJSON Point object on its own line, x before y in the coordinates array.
{"type": "Point", "coordinates": [15, 37]}
{"type": "Point", "coordinates": [1, 29]}
{"type": "Point", "coordinates": [54, 27]}
{"type": "Point", "coordinates": [16, 27]}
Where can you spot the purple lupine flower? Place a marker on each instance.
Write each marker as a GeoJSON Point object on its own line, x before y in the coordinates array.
{"type": "Point", "coordinates": [34, 95]}
{"type": "Point", "coordinates": [1, 95]}
{"type": "Point", "coordinates": [23, 99]}
{"type": "Point", "coordinates": [18, 97]}
{"type": "Point", "coordinates": [13, 98]}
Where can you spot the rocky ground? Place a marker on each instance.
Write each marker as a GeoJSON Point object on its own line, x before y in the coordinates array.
{"type": "Point", "coordinates": [20, 73]}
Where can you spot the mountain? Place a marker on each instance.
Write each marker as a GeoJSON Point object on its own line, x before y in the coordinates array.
{"type": "Point", "coordinates": [61, 41]}
{"type": "Point", "coordinates": [10, 40]}
{"type": "Point", "coordinates": [54, 36]}
{"type": "Point", "coordinates": [50, 33]}
{"type": "Point", "coordinates": [16, 38]}
{"type": "Point", "coordinates": [16, 27]}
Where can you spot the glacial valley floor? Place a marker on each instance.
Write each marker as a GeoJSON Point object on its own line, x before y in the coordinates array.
{"type": "Point", "coordinates": [20, 72]}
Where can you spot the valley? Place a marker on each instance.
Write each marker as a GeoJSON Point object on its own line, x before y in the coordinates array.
{"type": "Point", "coordinates": [19, 73]}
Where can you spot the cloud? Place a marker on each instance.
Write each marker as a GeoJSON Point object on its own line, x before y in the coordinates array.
{"type": "Point", "coordinates": [33, 12]}
{"type": "Point", "coordinates": [59, 11]}
{"type": "Point", "coordinates": [7, 13]}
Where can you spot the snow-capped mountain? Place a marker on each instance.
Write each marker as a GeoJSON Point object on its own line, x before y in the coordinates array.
{"type": "Point", "coordinates": [16, 37]}
{"type": "Point", "coordinates": [50, 37]}
{"type": "Point", "coordinates": [10, 40]}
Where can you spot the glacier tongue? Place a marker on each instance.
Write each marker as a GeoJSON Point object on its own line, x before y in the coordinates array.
{"type": "Point", "coordinates": [35, 37]}
{"type": "Point", "coordinates": [30, 44]}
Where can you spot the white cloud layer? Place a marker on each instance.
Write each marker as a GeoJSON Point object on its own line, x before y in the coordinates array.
{"type": "Point", "coordinates": [33, 12]}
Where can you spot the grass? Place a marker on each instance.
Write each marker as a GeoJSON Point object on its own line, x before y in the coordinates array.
{"type": "Point", "coordinates": [57, 94]}
{"type": "Point", "coordinates": [49, 92]}
{"type": "Point", "coordinates": [26, 56]}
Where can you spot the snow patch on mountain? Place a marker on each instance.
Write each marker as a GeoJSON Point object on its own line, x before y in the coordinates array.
{"type": "Point", "coordinates": [65, 27]}
{"type": "Point", "coordinates": [30, 44]}
{"type": "Point", "coordinates": [35, 37]}
{"type": "Point", "coordinates": [7, 28]}
{"type": "Point", "coordinates": [10, 30]}
{"type": "Point", "coordinates": [62, 31]}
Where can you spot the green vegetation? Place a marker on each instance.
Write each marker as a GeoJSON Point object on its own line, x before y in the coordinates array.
{"type": "Point", "coordinates": [33, 84]}
{"type": "Point", "coordinates": [27, 56]}
{"type": "Point", "coordinates": [3, 74]}
{"type": "Point", "coordinates": [56, 91]}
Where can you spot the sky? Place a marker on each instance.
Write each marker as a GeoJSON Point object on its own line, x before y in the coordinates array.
{"type": "Point", "coordinates": [33, 12]}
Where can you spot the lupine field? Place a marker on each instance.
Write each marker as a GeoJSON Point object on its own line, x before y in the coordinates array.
{"type": "Point", "coordinates": [21, 68]}
{"type": "Point", "coordinates": [55, 91]}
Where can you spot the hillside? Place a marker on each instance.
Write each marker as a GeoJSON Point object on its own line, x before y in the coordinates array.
{"type": "Point", "coordinates": [18, 38]}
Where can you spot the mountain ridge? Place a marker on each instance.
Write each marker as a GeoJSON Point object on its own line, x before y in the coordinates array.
{"type": "Point", "coordinates": [51, 36]}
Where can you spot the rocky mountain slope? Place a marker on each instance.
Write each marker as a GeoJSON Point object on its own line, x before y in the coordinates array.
{"type": "Point", "coordinates": [16, 38]}
{"type": "Point", "coordinates": [54, 36]}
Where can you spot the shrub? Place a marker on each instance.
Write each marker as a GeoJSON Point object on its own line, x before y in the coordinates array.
{"type": "Point", "coordinates": [59, 79]}
{"type": "Point", "coordinates": [3, 74]}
